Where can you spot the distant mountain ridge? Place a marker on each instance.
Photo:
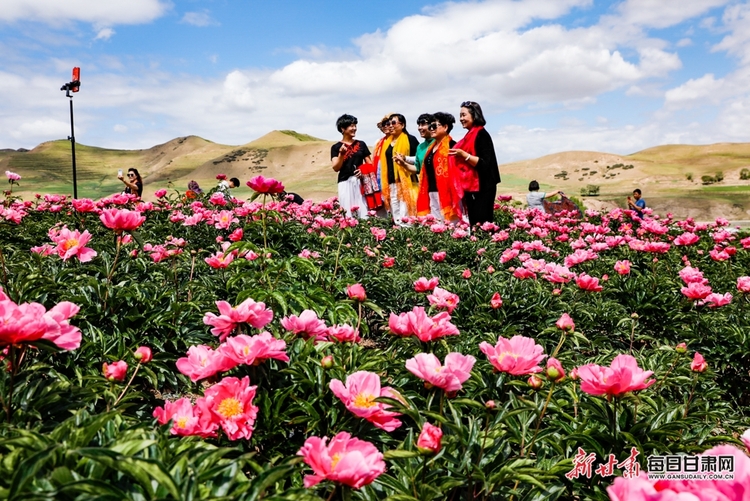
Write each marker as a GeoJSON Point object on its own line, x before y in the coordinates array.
{"type": "Point", "coordinates": [302, 163]}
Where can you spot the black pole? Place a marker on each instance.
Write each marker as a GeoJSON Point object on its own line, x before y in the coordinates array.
{"type": "Point", "coordinates": [72, 139]}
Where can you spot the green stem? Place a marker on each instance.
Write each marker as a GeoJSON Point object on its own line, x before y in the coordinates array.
{"type": "Point", "coordinates": [541, 416]}
{"type": "Point", "coordinates": [122, 394]}
{"type": "Point", "coordinates": [559, 344]}
{"type": "Point", "coordinates": [263, 219]}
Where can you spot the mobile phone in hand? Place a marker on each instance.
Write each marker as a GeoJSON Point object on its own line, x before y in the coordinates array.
{"type": "Point", "coordinates": [119, 172]}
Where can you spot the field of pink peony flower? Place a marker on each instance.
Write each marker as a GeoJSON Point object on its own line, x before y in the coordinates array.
{"type": "Point", "coordinates": [206, 348]}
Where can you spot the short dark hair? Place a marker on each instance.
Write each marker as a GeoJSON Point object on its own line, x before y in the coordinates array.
{"type": "Point", "coordinates": [137, 174]}
{"type": "Point", "coordinates": [344, 121]}
{"type": "Point", "coordinates": [444, 119]}
{"type": "Point", "coordinates": [234, 181]}
{"type": "Point", "coordinates": [425, 118]}
{"type": "Point", "coordinates": [401, 120]}
{"type": "Point", "coordinates": [476, 112]}
{"type": "Point", "coordinates": [637, 190]}
{"type": "Point", "coordinates": [533, 186]}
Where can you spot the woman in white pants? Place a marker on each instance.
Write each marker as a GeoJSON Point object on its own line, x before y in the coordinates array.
{"type": "Point", "coordinates": [346, 157]}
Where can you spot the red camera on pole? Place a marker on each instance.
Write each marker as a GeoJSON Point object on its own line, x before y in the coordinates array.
{"type": "Point", "coordinates": [76, 80]}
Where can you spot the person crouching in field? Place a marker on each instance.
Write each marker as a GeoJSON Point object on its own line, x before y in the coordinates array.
{"type": "Point", "coordinates": [638, 204]}
{"type": "Point", "coordinates": [535, 198]}
{"type": "Point", "coordinates": [437, 188]}
{"type": "Point", "coordinates": [399, 189]}
{"type": "Point", "coordinates": [346, 158]}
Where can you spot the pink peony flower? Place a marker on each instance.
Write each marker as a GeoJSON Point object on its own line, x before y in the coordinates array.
{"type": "Point", "coordinates": [466, 273]}
{"type": "Point", "coordinates": [12, 176]}
{"type": "Point", "coordinates": [588, 283]}
{"type": "Point", "coordinates": [343, 334]}
{"type": "Point", "coordinates": [30, 322]}
{"type": "Point", "coordinates": [389, 262]}
{"type": "Point", "coordinates": [439, 257]}
{"type": "Point", "coordinates": [424, 285]}
{"type": "Point", "coordinates": [187, 420]}
{"type": "Point", "coordinates": [115, 371]}
{"type": "Point", "coordinates": [359, 394]}
{"type": "Point", "coordinates": [43, 250]}
{"type": "Point", "coordinates": [686, 238]}
{"type": "Point", "coordinates": [73, 244]}
{"type": "Point", "coordinates": [441, 299]}
{"type": "Point", "coordinates": [83, 205]}
{"type": "Point", "coordinates": [743, 284]}
{"type": "Point", "coordinates": [517, 356]}
{"type": "Point", "coordinates": [203, 362]}
{"type": "Point", "coordinates": [265, 185]}
{"type": "Point", "coordinates": [430, 439]}
{"type": "Point", "coordinates": [231, 405]}
{"type": "Point", "coordinates": [418, 323]}
{"type": "Point", "coordinates": [621, 377]}
{"type": "Point", "coordinates": [308, 325]}
{"type": "Point", "coordinates": [696, 291]}
{"type": "Point", "coordinates": [160, 193]}
{"type": "Point", "coordinates": [715, 300]}
{"type": "Point", "coordinates": [253, 350]}
{"type": "Point", "coordinates": [378, 233]}
{"type": "Point", "coordinates": [523, 273]}
{"type": "Point", "coordinates": [121, 219]}
{"type": "Point", "coordinates": [356, 292]}
{"type": "Point", "coordinates": [496, 301]}
{"type": "Point", "coordinates": [345, 460]}
{"type": "Point", "coordinates": [248, 312]}
{"type": "Point", "coordinates": [699, 363]}
{"type": "Point", "coordinates": [449, 377]}
{"type": "Point", "coordinates": [143, 354]}
{"type": "Point", "coordinates": [623, 267]}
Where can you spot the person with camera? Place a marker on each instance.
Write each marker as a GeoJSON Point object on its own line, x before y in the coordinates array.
{"type": "Point", "coordinates": [133, 182]}
{"type": "Point", "coordinates": [535, 198]}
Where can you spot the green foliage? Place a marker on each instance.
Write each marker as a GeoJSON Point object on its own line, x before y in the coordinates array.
{"type": "Point", "coordinates": [69, 437]}
{"type": "Point", "coordinates": [591, 190]}
{"type": "Point", "coordinates": [745, 174]}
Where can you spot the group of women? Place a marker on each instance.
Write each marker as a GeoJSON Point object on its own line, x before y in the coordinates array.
{"type": "Point", "coordinates": [453, 181]}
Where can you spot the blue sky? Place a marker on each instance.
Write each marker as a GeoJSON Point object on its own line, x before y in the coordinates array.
{"type": "Point", "coordinates": [552, 75]}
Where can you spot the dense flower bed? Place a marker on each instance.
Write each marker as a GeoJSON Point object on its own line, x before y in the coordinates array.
{"type": "Point", "coordinates": [207, 348]}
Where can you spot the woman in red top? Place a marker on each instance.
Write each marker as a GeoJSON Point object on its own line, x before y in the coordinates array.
{"type": "Point", "coordinates": [474, 165]}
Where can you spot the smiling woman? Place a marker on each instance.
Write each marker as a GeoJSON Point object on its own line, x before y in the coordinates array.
{"type": "Point", "coordinates": [347, 156]}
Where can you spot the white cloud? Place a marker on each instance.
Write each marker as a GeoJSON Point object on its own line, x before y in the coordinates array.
{"type": "Point", "coordinates": [104, 34]}
{"type": "Point", "coordinates": [201, 19]}
{"type": "Point", "coordinates": [41, 130]}
{"type": "Point", "coordinates": [664, 13]}
{"type": "Point", "coordinates": [684, 42]}
{"type": "Point", "coordinates": [108, 13]}
{"type": "Point", "coordinates": [119, 128]}
{"type": "Point", "coordinates": [694, 91]}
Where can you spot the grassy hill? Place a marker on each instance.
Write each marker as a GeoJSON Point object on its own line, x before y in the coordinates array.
{"type": "Point", "coordinates": [669, 175]}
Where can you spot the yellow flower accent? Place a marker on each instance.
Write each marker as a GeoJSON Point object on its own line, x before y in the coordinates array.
{"type": "Point", "coordinates": [70, 243]}
{"type": "Point", "coordinates": [365, 400]}
{"type": "Point", "coordinates": [181, 421]}
{"type": "Point", "coordinates": [335, 460]}
{"type": "Point", "coordinates": [229, 408]}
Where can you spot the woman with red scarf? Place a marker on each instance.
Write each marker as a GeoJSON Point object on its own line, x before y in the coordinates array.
{"type": "Point", "coordinates": [437, 190]}
{"type": "Point", "coordinates": [474, 165]}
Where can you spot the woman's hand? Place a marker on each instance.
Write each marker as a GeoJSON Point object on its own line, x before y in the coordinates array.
{"type": "Point", "coordinates": [459, 152]}
{"type": "Point", "coordinates": [343, 150]}
{"type": "Point", "coordinates": [121, 177]}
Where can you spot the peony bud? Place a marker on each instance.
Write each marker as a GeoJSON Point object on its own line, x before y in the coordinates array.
{"type": "Point", "coordinates": [555, 371]}
{"type": "Point", "coordinates": [574, 374]}
{"type": "Point", "coordinates": [699, 363]}
{"type": "Point", "coordinates": [565, 323]}
{"type": "Point", "coordinates": [356, 292]}
{"type": "Point", "coordinates": [466, 273]}
{"type": "Point", "coordinates": [327, 362]}
{"type": "Point", "coordinates": [116, 371]}
{"type": "Point", "coordinates": [535, 382]}
{"type": "Point", "coordinates": [681, 348]}
{"type": "Point", "coordinates": [496, 301]}
{"type": "Point", "coordinates": [143, 353]}
{"type": "Point", "coordinates": [490, 404]}
{"type": "Point", "coordinates": [429, 441]}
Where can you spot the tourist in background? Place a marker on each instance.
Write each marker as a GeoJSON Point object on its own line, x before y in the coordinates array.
{"type": "Point", "coordinates": [399, 181]}
{"type": "Point", "coordinates": [535, 198]}
{"type": "Point", "coordinates": [346, 157]}
{"type": "Point", "coordinates": [637, 203]}
{"type": "Point", "coordinates": [133, 182]}
{"type": "Point", "coordinates": [437, 189]}
{"type": "Point", "coordinates": [474, 163]}
{"type": "Point", "coordinates": [226, 184]}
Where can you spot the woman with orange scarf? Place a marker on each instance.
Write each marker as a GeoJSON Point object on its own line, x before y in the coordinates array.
{"type": "Point", "coordinates": [474, 164]}
{"type": "Point", "coordinates": [399, 190]}
{"type": "Point", "coordinates": [437, 191]}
